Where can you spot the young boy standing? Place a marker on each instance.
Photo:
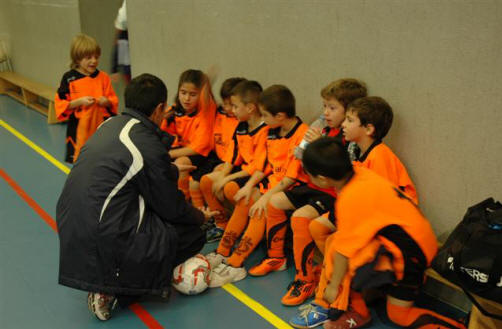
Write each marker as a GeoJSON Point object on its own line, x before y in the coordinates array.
{"type": "Point", "coordinates": [307, 200]}
{"type": "Point", "coordinates": [383, 240]}
{"type": "Point", "coordinates": [85, 96]}
{"type": "Point", "coordinates": [277, 104]}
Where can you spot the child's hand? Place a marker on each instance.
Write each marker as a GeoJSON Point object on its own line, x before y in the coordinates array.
{"type": "Point", "coordinates": [259, 208]}
{"type": "Point", "coordinates": [103, 101]}
{"type": "Point", "coordinates": [218, 185]}
{"type": "Point", "coordinates": [184, 167]}
{"type": "Point", "coordinates": [208, 213]}
{"type": "Point", "coordinates": [86, 100]}
{"type": "Point", "coordinates": [245, 193]}
{"type": "Point", "coordinates": [168, 113]}
{"type": "Point", "coordinates": [312, 134]}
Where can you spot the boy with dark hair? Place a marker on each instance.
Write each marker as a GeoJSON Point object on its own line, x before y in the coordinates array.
{"type": "Point", "coordinates": [307, 200]}
{"type": "Point", "coordinates": [367, 122]}
{"type": "Point", "coordinates": [123, 225]}
{"type": "Point", "coordinates": [383, 240]}
{"type": "Point", "coordinates": [277, 105]}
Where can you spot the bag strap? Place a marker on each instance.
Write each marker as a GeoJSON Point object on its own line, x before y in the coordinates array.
{"type": "Point", "coordinates": [480, 308]}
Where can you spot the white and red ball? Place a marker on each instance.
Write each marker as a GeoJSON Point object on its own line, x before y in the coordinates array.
{"type": "Point", "coordinates": [192, 276]}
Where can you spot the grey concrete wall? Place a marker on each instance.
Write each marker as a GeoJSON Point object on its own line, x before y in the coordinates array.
{"type": "Point", "coordinates": [40, 34]}
{"type": "Point", "coordinates": [97, 20]}
{"type": "Point", "coordinates": [439, 64]}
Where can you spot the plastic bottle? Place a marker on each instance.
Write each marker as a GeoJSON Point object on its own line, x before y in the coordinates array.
{"type": "Point", "coordinates": [318, 124]}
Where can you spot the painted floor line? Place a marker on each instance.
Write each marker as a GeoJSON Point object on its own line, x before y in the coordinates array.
{"type": "Point", "coordinates": [230, 288]}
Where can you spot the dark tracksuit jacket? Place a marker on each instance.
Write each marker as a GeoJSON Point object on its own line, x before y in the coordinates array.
{"type": "Point", "coordinates": [123, 224]}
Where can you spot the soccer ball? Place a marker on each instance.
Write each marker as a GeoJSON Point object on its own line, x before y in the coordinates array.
{"type": "Point", "coordinates": [192, 276]}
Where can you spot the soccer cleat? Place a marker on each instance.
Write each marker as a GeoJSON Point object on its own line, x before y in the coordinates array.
{"type": "Point", "coordinates": [101, 305]}
{"type": "Point", "coordinates": [309, 316]}
{"type": "Point", "coordinates": [268, 265]}
{"type": "Point", "coordinates": [224, 274]}
{"type": "Point", "coordinates": [214, 234]}
{"type": "Point", "coordinates": [215, 259]}
{"type": "Point", "coordinates": [298, 292]}
{"type": "Point", "coordinates": [350, 319]}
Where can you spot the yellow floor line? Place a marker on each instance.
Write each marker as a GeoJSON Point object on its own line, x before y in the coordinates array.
{"type": "Point", "coordinates": [35, 147]}
{"type": "Point", "coordinates": [230, 288]}
{"type": "Point", "coordinates": [255, 306]}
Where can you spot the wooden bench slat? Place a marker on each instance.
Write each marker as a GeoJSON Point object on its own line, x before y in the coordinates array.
{"type": "Point", "coordinates": [34, 87]}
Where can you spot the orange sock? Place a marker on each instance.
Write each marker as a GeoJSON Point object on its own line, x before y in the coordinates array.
{"type": "Point", "coordinates": [415, 317]}
{"type": "Point", "coordinates": [250, 240]}
{"type": "Point", "coordinates": [235, 226]}
{"type": "Point", "coordinates": [197, 198]}
{"type": "Point", "coordinates": [358, 304]}
{"type": "Point", "coordinates": [183, 182]}
{"type": "Point", "coordinates": [206, 185]}
{"type": "Point", "coordinates": [303, 248]}
{"type": "Point", "coordinates": [230, 189]}
{"type": "Point", "coordinates": [276, 231]}
{"type": "Point", "coordinates": [319, 233]}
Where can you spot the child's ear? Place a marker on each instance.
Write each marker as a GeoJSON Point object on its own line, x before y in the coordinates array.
{"type": "Point", "coordinates": [370, 129]}
{"type": "Point", "coordinates": [250, 107]}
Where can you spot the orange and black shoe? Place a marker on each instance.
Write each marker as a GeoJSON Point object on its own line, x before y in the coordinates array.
{"type": "Point", "coordinates": [298, 292]}
{"type": "Point", "coordinates": [268, 265]}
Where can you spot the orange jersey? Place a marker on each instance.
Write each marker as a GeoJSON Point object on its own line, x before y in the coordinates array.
{"type": "Point", "coordinates": [380, 158]}
{"type": "Point", "coordinates": [250, 148]}
{"type": "Point", "coordinates": [223, 132]}
{"type": "Point", "coordinates": [190, 130]}
{"type": "Point", "coordinates": [367, 204]}
{"type": "Point", "coordinates": [83, 121]}
{"type": "Point", "coordinates": [281, 161]}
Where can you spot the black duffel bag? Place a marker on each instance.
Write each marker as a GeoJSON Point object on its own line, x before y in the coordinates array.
{"type": "Point", "coordinates": [471, 257]}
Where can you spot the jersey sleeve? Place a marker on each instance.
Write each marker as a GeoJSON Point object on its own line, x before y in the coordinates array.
{"type": "Point", "coordinates": [109, 93]}
{"type": "Point", "coordinates": [62, 100]}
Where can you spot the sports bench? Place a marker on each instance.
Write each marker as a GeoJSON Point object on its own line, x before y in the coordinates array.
{"type": "Point", "coordinates": [477, 320]}
{"type": "Point", "coordinates": [32, 94]}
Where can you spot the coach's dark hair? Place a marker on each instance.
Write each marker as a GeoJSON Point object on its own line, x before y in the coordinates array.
{"type": "Point", "coordinates": [327, 157]}
{"type": "Point", "coordinates": [144, 93]}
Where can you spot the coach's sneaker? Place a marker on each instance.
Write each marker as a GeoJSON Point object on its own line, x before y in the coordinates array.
{"type": "Point", "coordinates": [224, 274]}
{"type": "Point", "coordinates": [214, 234]}
{"type": "Point", "coordinates": [298, 292]}
{"type": "Point", "coordinates": [268, 265]}
{"type": "Point", "coordinates": [215, 259]}
{"type": "Point", "coordinates": [101, 305]}
{"type": "Point", "coordinates": [309, 316]}
{"type": "Point", "coordinates": [350, 319]}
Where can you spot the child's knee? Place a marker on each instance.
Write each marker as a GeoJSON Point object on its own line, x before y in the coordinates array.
{"type": "Point", "coordinates": [306, 212]}
{"type": "Point", "coordinates": [183, 161]}
{"type": "Point", "coordinates": [280, 201]}
{"type": "Point", "coordinates": [193, 184]}
{"type": "Point", "coordinates": [230, 189]}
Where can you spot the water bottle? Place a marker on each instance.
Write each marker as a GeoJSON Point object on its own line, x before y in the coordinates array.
{"type": "Point", "coordinates": [319, 124]}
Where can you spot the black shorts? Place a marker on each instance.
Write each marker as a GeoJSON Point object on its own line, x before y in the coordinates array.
{"type": "Point", "coordinates": [415, 264]}
{"type": "Point", "coordinates": [304, 195]}
{"type": "Point", "coordinates": [205, 165]}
